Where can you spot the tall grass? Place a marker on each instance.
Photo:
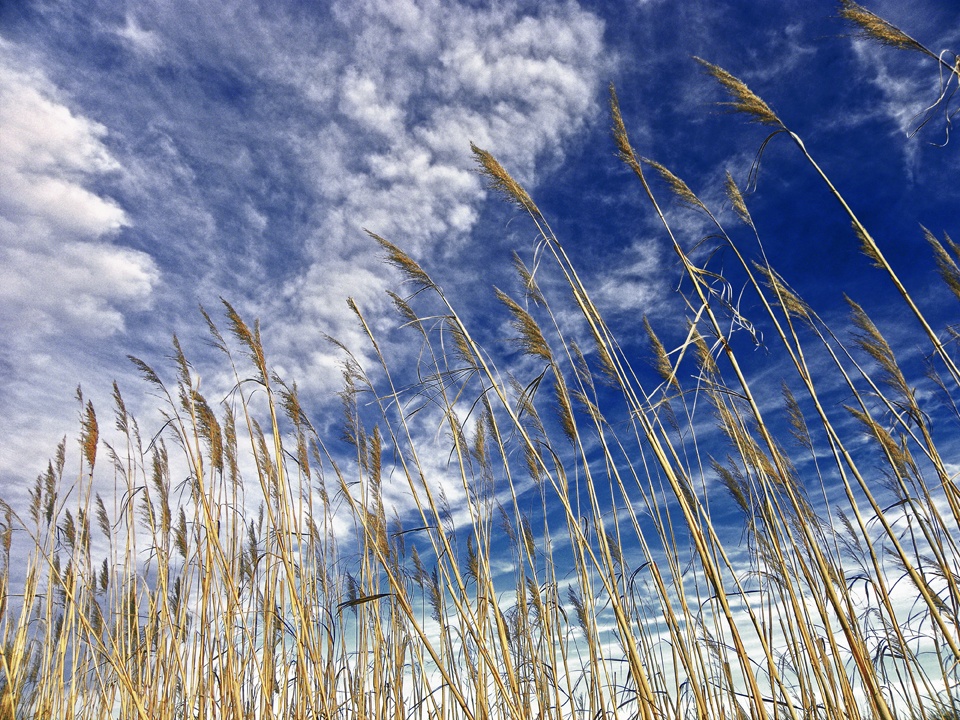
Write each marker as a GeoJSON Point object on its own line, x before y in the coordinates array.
{"type": "Point", "coordinates": [583, 541]}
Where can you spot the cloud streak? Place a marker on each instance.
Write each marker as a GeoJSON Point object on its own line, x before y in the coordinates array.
{"type": "Point", "coordinates": [170, 155]}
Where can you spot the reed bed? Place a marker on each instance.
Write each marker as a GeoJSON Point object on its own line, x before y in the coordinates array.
{"type": "Point", "coordinates": [586, 538]}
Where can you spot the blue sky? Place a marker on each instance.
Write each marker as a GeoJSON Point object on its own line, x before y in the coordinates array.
{"type": "Point", "coordinates": [155, 156]}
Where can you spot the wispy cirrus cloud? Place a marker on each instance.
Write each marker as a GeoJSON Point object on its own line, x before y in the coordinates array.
{"type": "Point", "coordinates": [373, 106]}
{"type": "Point", "coordinates": [240, 152]}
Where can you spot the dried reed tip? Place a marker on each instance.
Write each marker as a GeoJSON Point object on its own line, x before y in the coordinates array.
{"type": "Point", "coordinates": [733, 480]}
{"type": "Point", "coordinates": [501, 181]}
{"type": "Point", "coordinates": [798, 424]}
{"type": "Point", "coordinates": [704, 355]}
{"type": "Point", "coordinates": [90, 435]}
{"type": "Point", "coordinates": [479, 450]}
{"type": "Point", "coordinates": [583, 618]}
{"type": "Point", "coordinates": [218, 341]}
{"type": "Point", "coordinates": [896, 456]}
{"type": "Point", "coordinates": [230, 445]}
{"type": "Point", "coordinates": [250, 338]}
{"type": "Point", "coordinates": [588, 406]}
{"type": "Point", "coordinates": [209, 429]}
{"type": "Point", "coordinates": [606, 361]}
{"type": "Point", "coordinates": [122, 416]}
{"type": "Point", "coordinates": [736, 200]}
{"type": "Point", "coordinates": [565, 408]}
{"type": "Point", "coordinates": [402, 261]}
{"type": "Point", "coordinates": [876, 28]}
{"type": "Point", "coordinates": [290, 401]}
{"type": "Point", "coordinates": [530, 287]}
{"type": "Point", "coordinates": [103, 521]}
{"type": "Point", "coordinates": [661, 360]}
{"type": "Point", "coordinates": [146, 371]}
{"type": "Point", "coordinates": [677, 186]}
{"type": "Point", "coordinates": [946, 265]}
{"type": "Point", "coordinates": [624, 149]}
{"type": "Point", "coordinates": [461, 343]}
{"type": "Point", "coordinates": [619, 129]}
{"type": "Point", "coordinates": [524, 404]}
{"type": "Point", "coordinates": [180, 534]}
{"type": "Point", "coordinates": [531, 337]}
{"type": "Point", "coordinates": [528, 540]}
{"type": "Point", "coordinates": [473, 562]}
{"type": "Point", "coordinates": [744, 99]}
{"type": "Point", "coordinates": [876, 346]}
{"type": "Point", "coordinates": [403, 307]}
{"type": "Point", "coordinates": [787, 299]}
{"type": "Point", "coordinates": [868, 245]}
{"type": "Point", "coordinates": [954, 247]}
{"type": "Point", "coordinates": [352, 304]}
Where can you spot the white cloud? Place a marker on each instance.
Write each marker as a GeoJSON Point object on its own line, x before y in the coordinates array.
{"type": "Point", "coordinates": [44, 147]}
{"type": "Point", "coordinates": [415, 84]}
{"type": "Point", "coordinates": [141, 41]}
{"type": "Point", "coordinates": [60, 272]}
{"type": "Point", "coordinates": [230, 127]}
{"type": "Point", "coordinates": [362, 101]}
{"type": "Point", "coordinates": [637, 283]}
{"type": "Point", "coordinates": [911, 97]}
{"type": "Point", "coordinates": [64, 282]}
{"type": "Point", "coordinates": [902, 95]}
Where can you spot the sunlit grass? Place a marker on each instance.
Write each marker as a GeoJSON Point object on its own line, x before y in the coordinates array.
{"type": "Point", "coordinates": [584, 538]}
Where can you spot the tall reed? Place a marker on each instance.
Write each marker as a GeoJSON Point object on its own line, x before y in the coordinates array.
{"type": "Point", "coordinates": [580, 537]}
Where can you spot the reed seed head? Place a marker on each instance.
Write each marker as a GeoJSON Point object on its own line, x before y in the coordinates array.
{"type": "Point", "coordinates": [736, 200]}
{"type": "Point", "coordinates": [501, 181]}
{"type": "Point", "coordinates": [876, 28]}
{"type": "Point", "coordinates": [743, 98]}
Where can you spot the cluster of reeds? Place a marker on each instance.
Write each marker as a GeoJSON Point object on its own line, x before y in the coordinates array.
{"type": "Point", "coordinates": [578, 541]}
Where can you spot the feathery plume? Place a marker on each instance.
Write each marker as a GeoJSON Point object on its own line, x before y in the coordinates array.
{"type": "Point", "coordinates": [744, 99]}
{"type": "Point", "coordinates": [876, 28]}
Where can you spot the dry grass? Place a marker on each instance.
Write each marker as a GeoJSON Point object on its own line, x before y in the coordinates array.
{"type": "Point", "coordinates": [596, 543]}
